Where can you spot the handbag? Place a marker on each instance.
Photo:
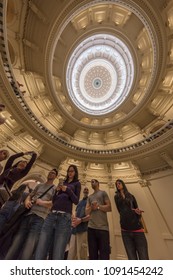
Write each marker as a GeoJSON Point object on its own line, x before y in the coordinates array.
{"type": "Point", "coordinates": [5, 193]}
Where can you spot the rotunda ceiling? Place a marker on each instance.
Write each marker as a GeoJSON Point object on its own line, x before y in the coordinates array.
{"type": "Point", "coordinates": [91, 80]}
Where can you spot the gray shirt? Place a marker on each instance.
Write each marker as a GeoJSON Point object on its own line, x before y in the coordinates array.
{"type": "Point", "coordinates": [98, 218]}
{"type": "Point", "coordinates": [39, 210]}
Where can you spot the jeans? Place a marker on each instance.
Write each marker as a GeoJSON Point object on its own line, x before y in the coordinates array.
{"type": "Point", "coordinates": [7, 211]}
{"type": "Point", "coordinates": [98, 243]}
{"type": "Point", "coordinates": [135, 244]}
{"type": "Point", "coordinates": [4, 195]}
{"type": "Point", "coordinates": [26, 238]}
{"type": "Point", "coordinates": [54, 236]}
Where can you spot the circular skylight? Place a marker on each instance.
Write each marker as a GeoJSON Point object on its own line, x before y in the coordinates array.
{"type": "Point", "coordinates": [99, 74]}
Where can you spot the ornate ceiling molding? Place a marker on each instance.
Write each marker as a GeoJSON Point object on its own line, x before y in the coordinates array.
{"type": "Point", "coordinates": [15, 97]}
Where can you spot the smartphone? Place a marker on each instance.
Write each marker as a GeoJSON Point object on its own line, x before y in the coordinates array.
{"type": "Point", "coordinates": [61, 181]}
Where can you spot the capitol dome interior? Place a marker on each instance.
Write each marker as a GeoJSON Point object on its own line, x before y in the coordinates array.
{"type": "Point", "coordinates": [90, 83]}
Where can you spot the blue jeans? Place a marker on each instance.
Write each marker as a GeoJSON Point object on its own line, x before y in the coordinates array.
{"type": "Point", "coordinates": [98, 244]}
{"type": "Point", "coordinates": [135, 244]}
{"type": "Point", "coordinates": [26, 238]}
{"type": "Point", "coordinates": [7, 211]}
{"type": "Point", "coordinates": [54, 236]}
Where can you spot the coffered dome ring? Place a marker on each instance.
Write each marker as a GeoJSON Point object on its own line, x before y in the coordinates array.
{"type": "Point", "coordinates": [57, 32]}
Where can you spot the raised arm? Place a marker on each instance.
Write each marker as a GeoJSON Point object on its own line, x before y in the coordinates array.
{"type": "Point", "coordinates": [11, 159]}
{"type": "Point", "coordinates": [30, 163]}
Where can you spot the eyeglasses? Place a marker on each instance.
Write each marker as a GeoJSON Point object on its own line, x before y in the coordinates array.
{"type": "Point", "coordinates": [71, 171]}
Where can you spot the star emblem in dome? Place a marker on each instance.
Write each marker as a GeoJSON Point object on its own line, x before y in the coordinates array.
{"type": "Point", "coordinates": [99, 74]}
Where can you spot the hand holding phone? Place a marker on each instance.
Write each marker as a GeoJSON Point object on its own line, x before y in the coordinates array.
{"type": "Point", "coordinates": [61, 181]}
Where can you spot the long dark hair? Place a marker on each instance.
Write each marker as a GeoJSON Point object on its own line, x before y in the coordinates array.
{"type": "Point", "coordinates": [124, 186]}
{"type": "Point", "coordinates": [128, 195]}
{"type": "Point", "coordinates": [76, 173]}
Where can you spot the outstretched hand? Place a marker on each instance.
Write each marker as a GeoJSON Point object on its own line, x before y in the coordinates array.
{"type": "Point", "coordinates": [137, 211]}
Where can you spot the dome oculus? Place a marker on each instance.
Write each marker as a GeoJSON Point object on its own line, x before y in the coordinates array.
{"type": "Point", "coordinates": [99, 74]}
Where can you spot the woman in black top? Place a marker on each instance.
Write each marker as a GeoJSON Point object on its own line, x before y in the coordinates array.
{"type": "Point", "coordinates": [12, 173]}
{"type": "Point", "coordinates": [132, 231]}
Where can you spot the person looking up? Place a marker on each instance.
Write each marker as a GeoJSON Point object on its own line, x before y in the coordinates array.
{"type": "Point", "coordinates": [14, 172]}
